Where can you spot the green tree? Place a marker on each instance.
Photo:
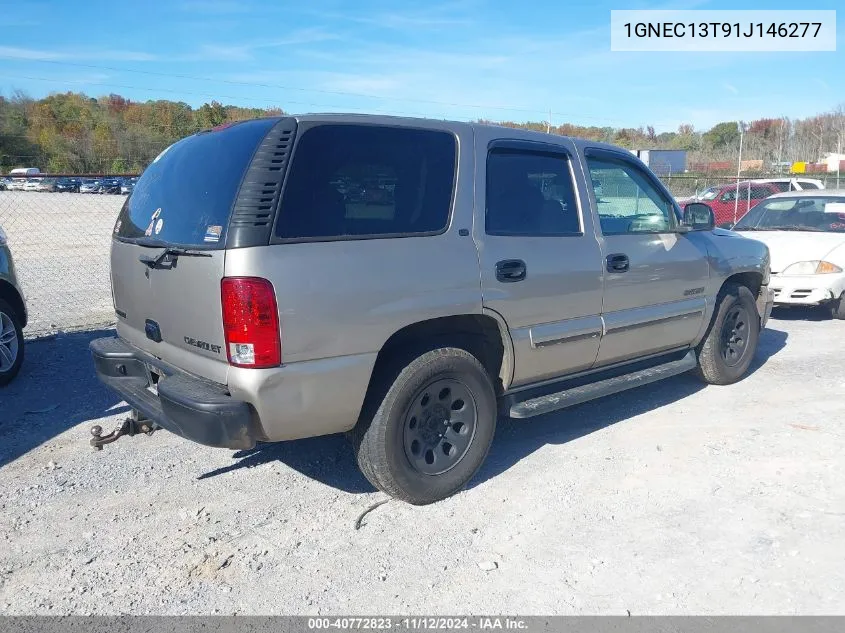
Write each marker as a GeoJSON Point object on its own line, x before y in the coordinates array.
{"type": "Point", "coordinates": [211, 115]}
{"type": "Point", "coordinates": [722, 135]}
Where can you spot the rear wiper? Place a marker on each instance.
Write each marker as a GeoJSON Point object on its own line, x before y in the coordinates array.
{"type": "Point", "coordinates": [173, 252]}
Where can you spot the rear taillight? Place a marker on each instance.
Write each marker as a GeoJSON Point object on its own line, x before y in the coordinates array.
{"type": "Point", "coordinates": [251, 322]}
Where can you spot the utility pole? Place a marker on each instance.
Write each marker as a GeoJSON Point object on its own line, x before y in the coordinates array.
{"type": "Point", "coordinates": [549, 122]}
{"type": "Point", "coordinates": [838, 156]}
{"type": "Point", "coordinates": [741, 127]}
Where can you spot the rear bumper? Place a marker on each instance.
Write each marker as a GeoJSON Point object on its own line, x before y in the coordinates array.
{"type": "Point", "coordinates": [196, 409]}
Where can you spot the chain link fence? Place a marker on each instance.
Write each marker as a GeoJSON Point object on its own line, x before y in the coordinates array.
{"type": "Point", "coordinates": [685, 185]}
{"type": "Point", "coordinates": [60, 243]}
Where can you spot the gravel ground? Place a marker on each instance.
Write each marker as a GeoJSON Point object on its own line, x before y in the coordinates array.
{"type": "Point", "coordinates": [674, 498]}
{"type": "Point", "coordinates": [60, 243]}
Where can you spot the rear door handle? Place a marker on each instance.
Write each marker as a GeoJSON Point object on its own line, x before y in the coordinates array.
{"type": "Point", "coordinates": [617, 263]}
{"type": "Point", "coordinates": [510, 270]}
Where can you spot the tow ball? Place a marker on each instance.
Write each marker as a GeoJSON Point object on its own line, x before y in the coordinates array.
{"type": "Point", "coordinates": [131, 426]}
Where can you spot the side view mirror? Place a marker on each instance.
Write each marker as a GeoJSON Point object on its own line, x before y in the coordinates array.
{"type": "Point", "coordinates": [698, 217]}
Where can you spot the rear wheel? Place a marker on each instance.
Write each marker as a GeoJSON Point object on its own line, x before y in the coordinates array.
{"type": "Point", "coordinates": [431, 430]}
{"type": "Point", "coordinates": [837, 307]}
{"type": "Point", "coordinates": [731, 342]}
{"type": "Point", "coordinates": [11, 343]}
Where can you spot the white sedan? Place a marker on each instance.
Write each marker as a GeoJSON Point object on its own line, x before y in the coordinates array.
{"type": "Point", "coordinates": [805, 233]}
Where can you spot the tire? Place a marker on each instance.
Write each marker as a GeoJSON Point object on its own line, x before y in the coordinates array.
{"type": "Point", "coordinates": [426, 427]}
{"type": "Point", "coordinates": [837, 307]}
{"type": "Point", "coordinates": [11, 343]}
{"type": "Point", "coordinates": [731, 341]}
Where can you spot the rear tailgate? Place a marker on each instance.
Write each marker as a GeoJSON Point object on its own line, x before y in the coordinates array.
{"type": "Point", "coordinates": [183, 202]}
{"type": "Point", "coordinates": [180, 304]}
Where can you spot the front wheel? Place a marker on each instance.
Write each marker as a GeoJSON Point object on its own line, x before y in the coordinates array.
{"type": "Point", "coordinates": [431, 430]}
{"type": "Point", "coordinates": [731, 342]}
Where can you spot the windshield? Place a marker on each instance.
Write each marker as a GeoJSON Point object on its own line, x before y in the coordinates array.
{"type": "Point", "coordinates": [825, 214]}
{"type": "Point", "coordinates": [709, 194]}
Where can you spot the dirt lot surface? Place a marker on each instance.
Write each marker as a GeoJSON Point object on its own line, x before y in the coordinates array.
{"type": "Point", "coordinates": [673, 498]}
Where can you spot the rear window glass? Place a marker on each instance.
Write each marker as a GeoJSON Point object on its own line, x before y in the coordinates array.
{"type": "Point", "coordinates": [357, 181]}
{"type": "Point", "coordinates": [185, 196]}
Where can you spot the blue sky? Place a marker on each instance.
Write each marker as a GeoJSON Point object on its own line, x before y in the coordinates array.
{"type": "Point", "coordinates": [460, 59]}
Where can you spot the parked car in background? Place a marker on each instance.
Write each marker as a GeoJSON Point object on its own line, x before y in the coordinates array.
{"type": "Point", "coordinates": [47, 185]}
{"type": "Point", "coordinates": [110, 185]}
{"type": "Point", "coordinates": [24, 172]}
{"type": "Point", "coordinates": [16, 184]}
{"type": "Point", "coordinates": [89, 185]}
{"type": "Point", "coordinates": [127, 186]}
{"type": "Point", "coordinates": [32, 184]}
{"type": "Point", "coordinates": [493, 279]}
{"type": "Point", "coordinates": [794, 184]}
{"type": "Point", "coordinates": [805, 233]}
{"type": "Point", "coordinates": [68, 185]}
{"type": "Point", "coordinates": [731, 202]}
{"type": "Point", "coordinates": [4, 182]}
{"type": "Point", "coordinates": [12, 315]}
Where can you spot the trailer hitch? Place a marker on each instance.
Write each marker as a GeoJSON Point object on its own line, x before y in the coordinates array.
{"type": "Point", "coordinates": [131, 426]}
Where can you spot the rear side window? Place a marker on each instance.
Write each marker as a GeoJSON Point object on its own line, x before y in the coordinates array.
{"type": "Point", "coordinates": [352, 181]}
{"type": "Point", "coordinates": [185, 196]}
{"type": "Point", "coordinates": [782, 186]}
{"type": "Point", "coordinates": [530, 193]}
{"type": "Point", "coordinates": [807, 185]}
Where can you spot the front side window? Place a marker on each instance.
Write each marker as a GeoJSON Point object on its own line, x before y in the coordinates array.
{"type": "Point", "coordinates": [630, 202]}
{"type": "Point", "coordinates": [349, 181]}
{"type": "Point", "coordinates": [732, 193]}
{"type": "Point", "coordinates": [760, 192]}
{"type": "Point", "coordinates": [530, 193]}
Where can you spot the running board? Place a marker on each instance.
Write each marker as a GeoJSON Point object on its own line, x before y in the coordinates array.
{"type": "Point", "coordinates": [584, 393]}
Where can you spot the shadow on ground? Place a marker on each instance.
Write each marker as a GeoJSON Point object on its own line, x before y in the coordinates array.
{"type": "Point", "coordinates": [330, 461]}
{"type": "Point", "coordinates": [516, 439]}
{"type": "Point", "coordinates": [56, 390]}
{"type": "Point", "coordinates": [812, 313]}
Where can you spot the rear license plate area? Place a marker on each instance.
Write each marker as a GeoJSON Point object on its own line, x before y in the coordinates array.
{"type": "Point", "coordinates": [153, 376]}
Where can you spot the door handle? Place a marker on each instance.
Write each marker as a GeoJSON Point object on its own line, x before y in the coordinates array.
{"type": "Point", "coordinates": [617, 263]}
{"type": "Point", "coordinates": [510, 270]}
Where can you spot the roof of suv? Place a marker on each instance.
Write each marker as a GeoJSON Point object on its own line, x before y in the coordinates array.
{"type": "Point", "coordinates": [384, 119]}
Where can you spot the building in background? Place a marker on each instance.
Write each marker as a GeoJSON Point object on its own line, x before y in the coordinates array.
{"type": "Point", "coordinates": [835, 162]}
{"type": "Point", "coordinates": [663, 162]}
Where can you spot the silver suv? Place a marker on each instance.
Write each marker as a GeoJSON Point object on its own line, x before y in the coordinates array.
{"type": "Point", "coordinates": [404, 281]}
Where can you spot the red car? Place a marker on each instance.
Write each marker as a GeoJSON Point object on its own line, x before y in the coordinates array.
{"type": "Point", "coordinates": [723, 199]}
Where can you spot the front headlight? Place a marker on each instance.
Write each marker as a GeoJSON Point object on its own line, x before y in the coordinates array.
{"type": "Point", "coordinates": [814, 267]}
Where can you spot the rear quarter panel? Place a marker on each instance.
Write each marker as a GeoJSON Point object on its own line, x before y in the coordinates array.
{"type": "Point", "coordinates": [340, 301]}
